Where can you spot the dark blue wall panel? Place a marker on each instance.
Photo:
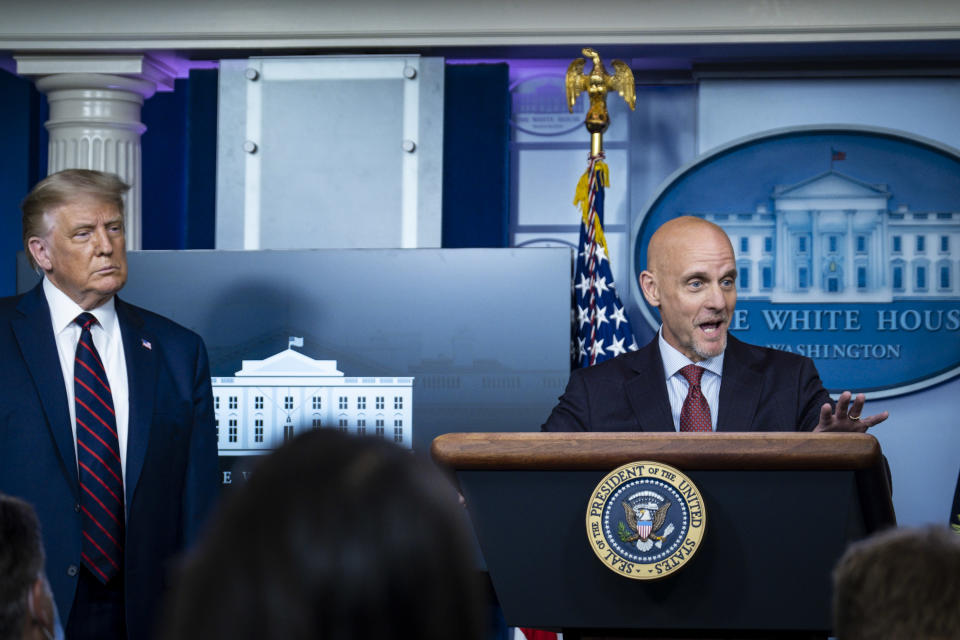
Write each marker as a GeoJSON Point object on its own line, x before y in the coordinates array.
{"type": "Point", "coordinates": [201, 191]}
{"type": "Point", "coordinates": [164, 168]}
{"type": "Point", "coordinates": [179, 164]}
{"type": "Point", "coordinates": [22, 164]}
{"type": "Point", "coordinates": [476, 168]}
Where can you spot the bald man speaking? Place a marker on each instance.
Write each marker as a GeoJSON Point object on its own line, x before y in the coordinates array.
{"type": "Point", "coordinates": [694, 376]}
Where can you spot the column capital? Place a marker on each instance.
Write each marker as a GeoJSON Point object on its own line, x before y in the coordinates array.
{"type": "Point", "coordinates": [140, 72]}
{"type": "Point", "coordinates": [95, 103]}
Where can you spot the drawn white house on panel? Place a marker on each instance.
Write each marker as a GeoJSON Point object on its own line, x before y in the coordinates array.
{"type": "Point", "coordinates": [832, 238]}
{"type": "Point", "coordinates": [268, 401]}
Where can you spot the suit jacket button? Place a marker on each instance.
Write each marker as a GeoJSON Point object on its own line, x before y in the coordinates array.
{"type": "Point", "coordinates": [76, 507]}
{"type": "Point", "coordinates": [72, 570]}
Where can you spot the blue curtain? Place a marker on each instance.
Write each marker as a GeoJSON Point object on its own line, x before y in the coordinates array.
{"type": "Point", "coordinates": [476, 168]}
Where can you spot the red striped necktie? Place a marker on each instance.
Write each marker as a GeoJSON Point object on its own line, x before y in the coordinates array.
{"type": "Point", "coordinates": [695, 414]}
{"type": "Point", "coordinates": [98, 456]}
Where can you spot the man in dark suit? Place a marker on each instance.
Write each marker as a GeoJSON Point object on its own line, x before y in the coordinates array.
{"type": "Point", "coordinates": [106, 414]}
{"type": "Point", "coordinates": [693, 376]}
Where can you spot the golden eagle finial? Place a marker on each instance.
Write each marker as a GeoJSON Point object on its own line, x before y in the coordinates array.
{"type": "Point", "coordinates": [597, 83]}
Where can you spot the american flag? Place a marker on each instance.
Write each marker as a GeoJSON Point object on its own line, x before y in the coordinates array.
{"type": "Point", "coordinates": [602, 328]}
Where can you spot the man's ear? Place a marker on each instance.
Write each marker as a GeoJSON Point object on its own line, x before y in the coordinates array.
{"type": "Point", "coordinates": [38, 249]}
{"type": "Point", "coordinates": [648, 284]}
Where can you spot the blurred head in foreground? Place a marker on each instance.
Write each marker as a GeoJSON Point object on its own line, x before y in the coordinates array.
{"type": "Point", "coordinates": [27, 609]}
{"type": "Point", "coordinates": [901, 583]}
{"type": "Point", "coordinates": [333, 537]}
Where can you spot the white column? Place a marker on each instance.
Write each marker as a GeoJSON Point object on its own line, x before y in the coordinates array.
{"type": "Point", "coordinates": [781, 253]}
{"type": "Point", "coordinates": [94, 123]}
{"type": "Point", "coordinates": [816, 269]}
{"type": "Point", "coordinates": [850, 276]}
{"type": "Point", "coordinates": [882, 249]}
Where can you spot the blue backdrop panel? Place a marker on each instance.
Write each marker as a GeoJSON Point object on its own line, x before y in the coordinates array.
{"type": "Point", "coordinates": [484, 332]}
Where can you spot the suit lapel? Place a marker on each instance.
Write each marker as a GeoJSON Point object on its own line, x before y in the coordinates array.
{"type": "Point", "coordinates": [740, 388]}
{"type": "Point", "coordinates": [140, 353]}
{"type": "Point", "coordinates": [647, 390]}
{"type": "Point", "coordinates": [34, 332]}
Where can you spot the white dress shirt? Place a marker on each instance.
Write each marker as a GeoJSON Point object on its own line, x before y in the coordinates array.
{"type": "Point", "coordinates": [109, 344]}
{"type": "Point", "coordinates": [677, 385]}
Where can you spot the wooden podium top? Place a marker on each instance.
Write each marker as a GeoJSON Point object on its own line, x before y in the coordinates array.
{"type": "Point", "coordinates": [605, 450]}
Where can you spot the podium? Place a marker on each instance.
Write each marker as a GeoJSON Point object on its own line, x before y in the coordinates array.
{"type": "Point", "coordinates": [780, 510]}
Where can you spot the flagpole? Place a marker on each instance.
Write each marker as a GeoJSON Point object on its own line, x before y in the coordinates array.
{"type": "Point", "coordinates": [596, 144]}
{"type": "Point", "coordinates": [597, 303]}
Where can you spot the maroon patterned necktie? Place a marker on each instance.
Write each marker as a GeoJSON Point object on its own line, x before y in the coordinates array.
{"type": "Point", "coordinates": [98, 456]}
{"type": "Point", "coordinates": [695, 414]}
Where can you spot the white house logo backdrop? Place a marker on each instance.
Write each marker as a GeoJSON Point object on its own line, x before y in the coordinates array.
{"type": "Point", "coordinates": [847, 245]}
{"type": "Point", "coordinates": [267, 402]}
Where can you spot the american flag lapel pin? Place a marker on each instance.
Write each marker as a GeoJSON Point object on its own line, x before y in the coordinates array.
{"type": "Point", "coordinates": [146, 344]}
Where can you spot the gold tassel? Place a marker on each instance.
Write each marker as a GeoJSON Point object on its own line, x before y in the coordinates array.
{"type": "Point", "coordinates": [582, 199]}
{"type": "Point", "coordinates": [581, 196]}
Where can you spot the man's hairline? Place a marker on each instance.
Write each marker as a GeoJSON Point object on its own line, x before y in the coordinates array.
{"type": "Point", "coordinates": [50, 217]}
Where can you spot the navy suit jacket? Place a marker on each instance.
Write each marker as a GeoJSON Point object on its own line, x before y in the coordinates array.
{"type": "Point", "coordinates": [171, 465]}
{"type": "Point", "coordinates": [760, 390]}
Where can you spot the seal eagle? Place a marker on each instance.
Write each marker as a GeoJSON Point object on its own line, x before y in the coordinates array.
{"type": "Point", "coordinates": [642, 514]}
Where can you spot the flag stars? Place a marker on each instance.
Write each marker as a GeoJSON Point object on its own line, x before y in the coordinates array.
{"type": "Point", "coordinates": [600, 316]}
{"type": "Point", "coordinates": [616, 347]}
{"type": "Point", "coordinates": [597, 251]}
{"type": "Point", "coordinates": [600, 252]}
{"type": "Point", "coordinates": [583, 316]}
{"type": "Point", "coordinates": [618, 316]}
{"type": "Point", "coordinates": [597, 315]}
{"type": "Point", "coordinates": [584, 285]}
{"type": "Point", "coordinates": [600, 285]}
{"type": "Point", "coordinates": [596, 349]}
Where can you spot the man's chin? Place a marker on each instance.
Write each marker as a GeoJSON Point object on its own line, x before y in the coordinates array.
{"type": "Point", "coordinates": [110, 285]}
{"type": "Point", "coordinates": [711, 349]}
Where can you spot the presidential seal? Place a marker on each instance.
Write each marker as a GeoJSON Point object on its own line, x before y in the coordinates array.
{"type": "Point", "coordinates": [645, 520]}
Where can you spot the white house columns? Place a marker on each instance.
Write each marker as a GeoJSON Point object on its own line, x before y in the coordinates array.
{"type": "Point", "coordinates": [94, 123]}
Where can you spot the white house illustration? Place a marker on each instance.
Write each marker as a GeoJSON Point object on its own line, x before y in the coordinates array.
{"type": "Point", "coordinates": [832, 237]}
{"type": "Point", "coordinates": [268, 401]}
